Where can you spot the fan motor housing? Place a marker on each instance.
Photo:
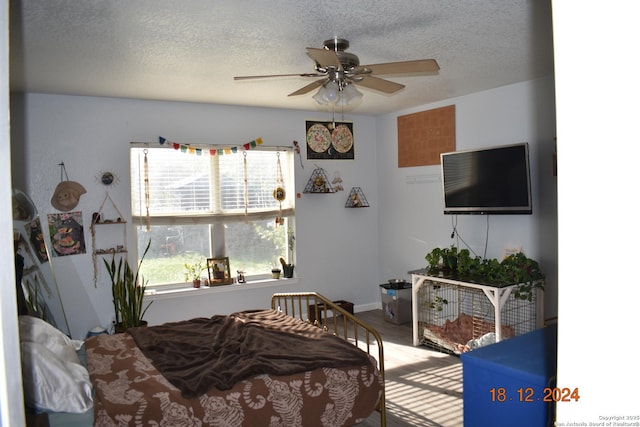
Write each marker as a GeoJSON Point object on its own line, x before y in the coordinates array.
{"type": "Point", "coordinates": [348, 60]}
{"type": "Point", "coordinates": [336, 44]}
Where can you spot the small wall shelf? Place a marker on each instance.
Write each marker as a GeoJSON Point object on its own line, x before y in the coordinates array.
{"type": "Point", "coordinates": [319, 183]}
{"type": "Point", "coordinates": [356, 199]}
{"type": "Point", "coordinates": [104, 234]}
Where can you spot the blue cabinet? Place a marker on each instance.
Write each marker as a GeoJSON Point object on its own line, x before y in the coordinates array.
{"type": "Point", "coordinates": [506, 384]}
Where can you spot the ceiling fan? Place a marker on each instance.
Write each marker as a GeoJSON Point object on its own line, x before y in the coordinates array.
{"type": "Point", "coordinates": [341, 70]}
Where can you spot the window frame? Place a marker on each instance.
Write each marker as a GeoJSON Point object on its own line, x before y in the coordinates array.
{"type": "Point", "coordinates": [215, 220]}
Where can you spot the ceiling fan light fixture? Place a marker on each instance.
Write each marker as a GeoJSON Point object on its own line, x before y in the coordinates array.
{"type": "Point", "coordinates": [332, 92]}
{"type": "Point", "coordinates": [350, 94]}
{"type": "Point", "coordinates": [320, 97]}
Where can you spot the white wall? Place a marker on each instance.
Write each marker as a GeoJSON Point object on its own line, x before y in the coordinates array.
{"type": "Point", "coordinates": [411, 205]}
{"type": "Point", "coordinates": [337, 247]}
{"type": "Point", "coordinates": [342, 253]}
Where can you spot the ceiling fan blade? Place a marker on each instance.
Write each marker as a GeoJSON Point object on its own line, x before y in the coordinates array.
{"type": "Point", "coordinates": [308, 88]}
{"type": "Point", "coordinates": [376, 83]}
{"type": "Point", "coordinates": [326, 58]}
{"type": "Point", "coordinates": [278, 75]}
{"type": "Point", "coordinates": [403, 67]}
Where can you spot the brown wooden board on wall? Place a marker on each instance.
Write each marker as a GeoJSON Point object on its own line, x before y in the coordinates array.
{"type": "Point", "coordinates": [423, 136]}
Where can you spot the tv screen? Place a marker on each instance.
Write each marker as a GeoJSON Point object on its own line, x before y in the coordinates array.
{"type": "Point", "coordinates": [492, 180]}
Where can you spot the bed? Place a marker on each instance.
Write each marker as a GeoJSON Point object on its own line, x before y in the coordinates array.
{"type": "Point", "coordinates": [270, 367]}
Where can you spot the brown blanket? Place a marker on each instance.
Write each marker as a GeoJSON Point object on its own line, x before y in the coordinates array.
{"type": "Point", "coordinates": [197, 354]}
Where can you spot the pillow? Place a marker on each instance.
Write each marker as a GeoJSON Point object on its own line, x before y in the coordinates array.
{"type": "Point", "coordinates": [53, 384]}
{"type": "Point", "coordinates": [35, 329]}
{"type": "Point", "coordinates": [53, 377]}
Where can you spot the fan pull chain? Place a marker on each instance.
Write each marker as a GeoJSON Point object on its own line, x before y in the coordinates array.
{"type": "Point", "coordinates": [147, 197]}
{"type": "Point", "coordinates": [333, 117]}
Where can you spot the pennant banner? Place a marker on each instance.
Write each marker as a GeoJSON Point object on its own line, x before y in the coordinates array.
{"type": "Point", "coordinates": [191, 149]}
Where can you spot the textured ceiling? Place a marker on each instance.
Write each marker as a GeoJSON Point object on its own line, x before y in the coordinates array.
{"type": "Point", "coordinates": [190, 50]}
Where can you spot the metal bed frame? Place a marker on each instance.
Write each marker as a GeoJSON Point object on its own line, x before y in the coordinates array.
{"type": "Point", "coordinates": [331, 317]}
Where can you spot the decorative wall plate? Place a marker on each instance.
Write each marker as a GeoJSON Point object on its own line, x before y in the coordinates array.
{"type": "Point", "coordinates": [107, 178]}
{"type": "Point", "coordinates": [318, 138]}
{"type": "Point", "coordinates": [342, 139]}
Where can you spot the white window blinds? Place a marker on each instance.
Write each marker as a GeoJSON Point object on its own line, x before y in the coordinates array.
{"type": "Point", "coordinates": [205, 188]}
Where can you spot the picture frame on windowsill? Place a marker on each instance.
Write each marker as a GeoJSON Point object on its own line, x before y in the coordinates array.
{"type": "Point", "coordinates": [219, 271]}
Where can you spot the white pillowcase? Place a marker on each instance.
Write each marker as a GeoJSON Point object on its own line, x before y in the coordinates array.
{"type": "Point", "coordinates": [54, 379]}
{"type": "Point", "coordinates": [34, 329]}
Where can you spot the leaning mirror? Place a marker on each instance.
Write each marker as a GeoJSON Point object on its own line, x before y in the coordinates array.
{"type": "Point", "coordinates": [36, 288]}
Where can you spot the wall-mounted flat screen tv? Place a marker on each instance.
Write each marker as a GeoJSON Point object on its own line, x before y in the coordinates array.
{"type": "Point", "coordinates": [492, 180]}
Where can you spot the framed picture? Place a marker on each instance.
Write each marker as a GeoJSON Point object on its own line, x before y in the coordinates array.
{"type": "Point", "coordinates": [36, 238]}
{"type": "Point", "coordinates": [329, 140]}
{"type": "Point", "coordinates": [67, 233]}
{"type": "Point", "coordinates": [219, 271]}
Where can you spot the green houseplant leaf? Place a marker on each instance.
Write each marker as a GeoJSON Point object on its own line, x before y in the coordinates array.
{"type": "Point", "coordinates": [127, 289]}
{"type": "Point", "coordinates": [194, 271]}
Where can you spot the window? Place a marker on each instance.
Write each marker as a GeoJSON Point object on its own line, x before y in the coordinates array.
{"type": "Point", "coordinates": [196, 209]}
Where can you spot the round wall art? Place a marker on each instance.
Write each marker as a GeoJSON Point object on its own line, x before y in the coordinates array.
{"type": "Point", "coordinates": [107, 178]}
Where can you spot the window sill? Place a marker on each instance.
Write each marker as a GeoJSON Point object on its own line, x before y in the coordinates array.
{"type": "Point", "coordinates": [190, 291]}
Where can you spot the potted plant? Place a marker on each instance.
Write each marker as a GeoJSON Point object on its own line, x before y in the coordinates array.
{"type": "Point", "coordinates": [193, 272]}
{"type": "Point", "coordinates": [275, 271]}
{"type": "Point", "coordinates": [286, 268]}
{"type": "Point", "coordinates": [127, 289]}
{"type": "Point", "coordinates": [517, 268]}
{"type": "Point", "coordinates": [433, 259]}
{"type": "Point", "coordinates": [449, 257]}
{"type": "Point", "coordinates": [291, 242]}
{"type": "Point", "coordinates": [513, 269]}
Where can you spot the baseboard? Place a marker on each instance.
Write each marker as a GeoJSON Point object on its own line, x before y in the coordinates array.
{"type": "Point", "coordinates": [367, 307]}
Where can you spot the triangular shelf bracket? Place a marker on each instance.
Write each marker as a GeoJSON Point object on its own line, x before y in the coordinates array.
{"type": "Point", "coordinates": [356, 199]}
{"type": "Point", "coordinates": [319, 183]}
